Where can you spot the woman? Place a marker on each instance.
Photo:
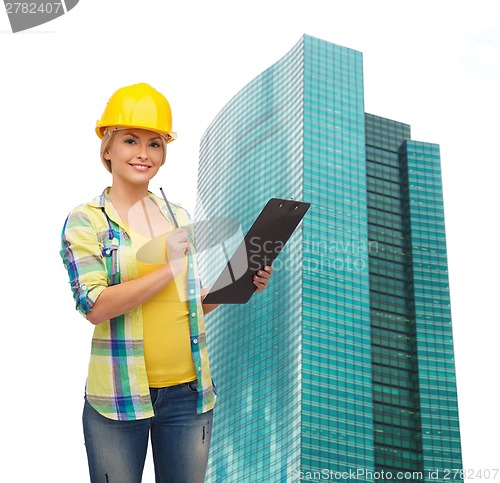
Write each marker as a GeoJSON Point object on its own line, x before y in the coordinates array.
{"type": "Point", "coordinates": [134, 276]}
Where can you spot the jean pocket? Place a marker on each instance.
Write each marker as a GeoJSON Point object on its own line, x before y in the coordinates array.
{"type": "Point", "coordinates": [192, 387]}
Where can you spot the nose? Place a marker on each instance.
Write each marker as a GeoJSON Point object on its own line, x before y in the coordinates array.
{"type": "Point", "coordinates": [142, 152]}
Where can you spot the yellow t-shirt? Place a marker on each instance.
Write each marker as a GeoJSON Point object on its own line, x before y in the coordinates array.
{"type": "Point", "coordinates": [167, 349]}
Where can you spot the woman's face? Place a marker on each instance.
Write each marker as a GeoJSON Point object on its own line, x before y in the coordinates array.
{"type": "Point", "coordinates": [135, 155]}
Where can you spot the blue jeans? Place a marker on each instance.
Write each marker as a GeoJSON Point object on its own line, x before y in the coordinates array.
{"type": "Point", "coordinates": [180, 440]}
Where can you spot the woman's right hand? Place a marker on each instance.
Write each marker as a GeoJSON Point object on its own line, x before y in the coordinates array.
{"type": "Point", "coordinates": [177, 246]}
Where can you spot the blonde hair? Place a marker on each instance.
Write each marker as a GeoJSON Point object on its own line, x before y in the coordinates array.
{"type": "Point", "coordinates": [107, 139]}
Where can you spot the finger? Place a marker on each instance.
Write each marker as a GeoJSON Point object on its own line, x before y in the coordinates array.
{"type": "Point", "coordinates": [181, 235]}
{"type": "Point", "coordinates": [259, 286]}
{"type": "Point", "coordinates": [260, 282]}
{"type": "Point", "coordinates": [180, 240]}
{"type": "Point", "coordinates": [179, 232]}
{"type": "Point", "coordinates": [263, 275]}
{"type": "Point", "coordinates": [182, 249]}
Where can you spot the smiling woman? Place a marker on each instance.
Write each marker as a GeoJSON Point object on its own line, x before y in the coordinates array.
{"type": "Point", "coordinates": [149, 372]}
{"type": "Point", "coordinates": [144, 370]}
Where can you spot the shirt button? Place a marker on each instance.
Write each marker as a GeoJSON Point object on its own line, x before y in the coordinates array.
{"type": "Point", "coordinates": [195, 341]}
{"type": "Point", "coordinates": [190, 265]}
{"type": "Point", "coordinates": [108, 251]}
{"type": "Point", "coordinates": [84, 287]}
{"type": "Point", "coordinates": [192, 290]}
{"type": "Point", "coordinates": [199, 369]}
{"type": "Point", "coordinates": [193, 314]}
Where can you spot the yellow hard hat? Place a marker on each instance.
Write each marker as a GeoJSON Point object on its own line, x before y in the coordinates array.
{"type": "Point", "coordinates": [139, 106]}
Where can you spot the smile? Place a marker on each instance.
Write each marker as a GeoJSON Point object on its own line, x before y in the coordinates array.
{"type": "Point", "coordinates": [140, 167]}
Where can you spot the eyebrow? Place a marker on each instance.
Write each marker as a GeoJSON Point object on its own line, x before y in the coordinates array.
{"type": "Point", "coordinates": [137, 137]}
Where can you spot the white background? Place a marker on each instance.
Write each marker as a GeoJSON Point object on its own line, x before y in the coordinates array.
{"type": "Point", "coordinates": [434, 65]}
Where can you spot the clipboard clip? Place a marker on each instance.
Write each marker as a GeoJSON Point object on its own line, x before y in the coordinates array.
{"type": "Point", "coordinates": [291, 199]}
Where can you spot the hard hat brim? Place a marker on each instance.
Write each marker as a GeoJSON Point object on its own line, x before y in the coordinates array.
{"type": "Point", "coordinates": [100, 131]}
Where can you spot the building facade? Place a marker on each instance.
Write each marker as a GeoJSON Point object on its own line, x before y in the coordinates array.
{"type": "Point", "coordinates": [345, 363]}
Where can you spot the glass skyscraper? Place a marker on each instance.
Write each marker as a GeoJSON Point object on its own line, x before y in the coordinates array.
{"type": "Point", "coordinates": [343, 368]}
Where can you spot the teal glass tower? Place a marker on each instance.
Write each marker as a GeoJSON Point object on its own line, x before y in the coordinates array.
{"type": "Point", "coordinates": [344, 365]}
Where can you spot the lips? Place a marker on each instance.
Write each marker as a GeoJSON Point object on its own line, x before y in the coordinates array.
{"type": "Point", "coordinates": [139, 166]}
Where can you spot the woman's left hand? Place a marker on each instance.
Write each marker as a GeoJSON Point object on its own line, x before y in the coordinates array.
{"type": "Point", "coordinates": [261, 279]}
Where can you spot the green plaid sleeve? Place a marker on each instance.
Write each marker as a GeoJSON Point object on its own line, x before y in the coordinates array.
{"type": "Point", "coordinates": [82, 257]}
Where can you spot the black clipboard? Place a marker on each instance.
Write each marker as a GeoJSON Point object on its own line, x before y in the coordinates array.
{"type": "Point", "coordinates": [260, 247]}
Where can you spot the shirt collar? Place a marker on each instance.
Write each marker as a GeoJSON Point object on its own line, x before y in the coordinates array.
{"type": "Point", "coordinates": [103, 201]}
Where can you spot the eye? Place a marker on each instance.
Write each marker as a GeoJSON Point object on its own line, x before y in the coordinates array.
{"type": "Point", "coordinates": [129, 140]}
{"type": "Point", "coordinates": [155, 145]}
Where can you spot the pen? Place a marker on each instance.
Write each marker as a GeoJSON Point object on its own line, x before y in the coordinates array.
{"type": "Point", "coordinates": [169, 209]}
{"type": "Point", "coordinates": [174, 219]}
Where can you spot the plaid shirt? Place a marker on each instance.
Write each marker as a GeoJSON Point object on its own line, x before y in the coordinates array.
{"type": "Point", "coordinates": [98, 252]}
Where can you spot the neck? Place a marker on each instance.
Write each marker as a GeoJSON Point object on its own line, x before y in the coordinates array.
{"type": "Point", "coordinates": [125, 196]}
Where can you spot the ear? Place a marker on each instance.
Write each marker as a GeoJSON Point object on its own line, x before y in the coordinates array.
{"type": "Point", "coordinates": [106, 156]}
